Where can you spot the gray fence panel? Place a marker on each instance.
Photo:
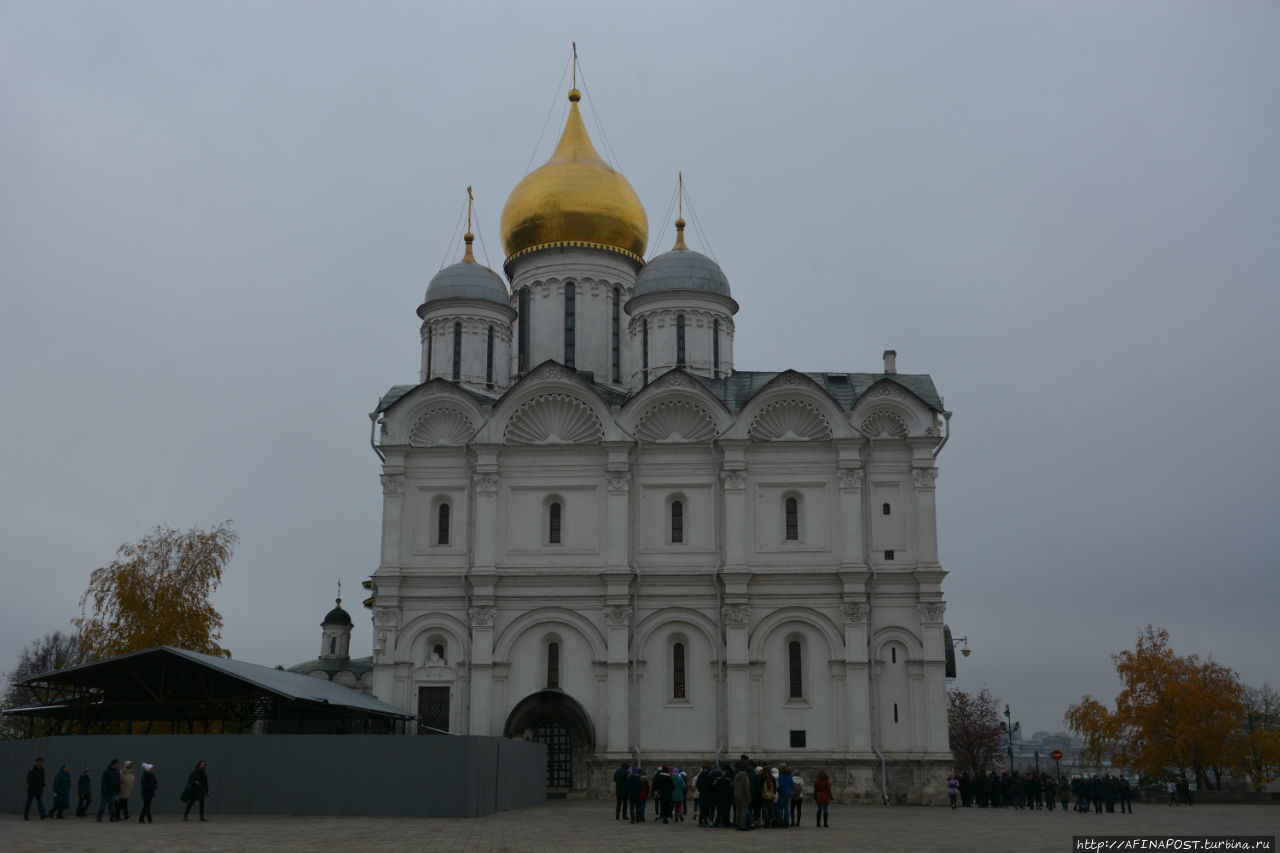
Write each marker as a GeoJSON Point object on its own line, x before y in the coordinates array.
{"type": "Point", "coordinates": [466, 776]}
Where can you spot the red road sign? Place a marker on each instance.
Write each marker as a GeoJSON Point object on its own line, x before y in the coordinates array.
{"type": "Point", "coordinates": [1056, 755]}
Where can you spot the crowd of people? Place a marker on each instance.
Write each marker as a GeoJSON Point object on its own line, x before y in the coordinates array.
{"type": "Point", "coordinates": [1036, 791]}
{"type": "Point", "coordinates": [116, 785]}
{"type": "Point", "coordinates": [744, 795]}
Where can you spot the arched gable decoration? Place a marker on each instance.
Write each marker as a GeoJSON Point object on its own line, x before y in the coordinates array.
{"type": "Point", "coordinates": [683, 616]}
{"type": "Point", "coordinates": [883, 423]}
{"type": "Point", "coordinates": [444, 425]}
{"type": "Point", "coordinates": [554, 419]}
{"type": "Point", "coordinates": [545, 617]}
{"type": "Point", "coordinates": [880, 638]}
{"type": "Point", "coordinates": [427, 623]}
{"type": "Point", "coordinates": [803, 615]}
{"type": "Point", "coordinates": [790, 420]}
{"type": "Point", "coordinates": [675, 421]}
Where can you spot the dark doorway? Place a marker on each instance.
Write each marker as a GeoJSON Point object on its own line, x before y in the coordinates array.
{"type": "Point", "coordinates": [554, 718]}
{"type": "Point", "coordinates": [559, 753]}
{"type": "Point", "coordinates": [433, 710]}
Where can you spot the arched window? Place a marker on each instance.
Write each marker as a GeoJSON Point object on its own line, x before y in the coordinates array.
{"type": "Point", "coordinates": [553, 665]}
{"type": "Point", "coordinates": [333, 645]}
{"type": "Point", "coordinates": [570, 326]}
{"type": "Point", "coordinates": [457, 351]}
{"type": "Point", "coordinates": [488, 360]}
{"type": "Point", "coordinates": [680, 340]}
{"type": "Point", "coordinates": [430, 345]}
{"type": "Point", "coordinates": [677, 522]}
{"type": "Point", "coordinates": [886, 509]}
{"type": "Point", "coordinates": [553, 523]}
{"type": "Point", "coordinates": [792, 512]}
{"type": "Point", "coordinates": [677, 671]}
{"type": "Point", "coordinates": [795, 670]}
{"type": "Point", "coordinates": [715, 347]}
{"type": "Point", "coordinates": [617, 334]}
{"type": "Point", "coordinates": [442, 524]}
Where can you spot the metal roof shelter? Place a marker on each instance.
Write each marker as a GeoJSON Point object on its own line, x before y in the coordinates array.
{"type": "Point", "coordinates": [170, 690]}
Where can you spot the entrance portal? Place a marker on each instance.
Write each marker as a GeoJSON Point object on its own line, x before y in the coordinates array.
{"type": "Point", "coordinates": [556, 719]}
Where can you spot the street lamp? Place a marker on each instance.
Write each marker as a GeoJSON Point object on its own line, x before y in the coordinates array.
{"type": "Point", "coordinates": [962, 643]}
{"type": "Point", "coordinates": [1010, 727]}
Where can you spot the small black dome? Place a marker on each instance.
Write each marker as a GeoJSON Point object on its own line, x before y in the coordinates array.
{"type": "Point", "coordinates": [337, 616]}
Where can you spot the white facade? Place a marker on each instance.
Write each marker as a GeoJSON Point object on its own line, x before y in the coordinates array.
{"type": "Point", "coordinates": [662, 565]}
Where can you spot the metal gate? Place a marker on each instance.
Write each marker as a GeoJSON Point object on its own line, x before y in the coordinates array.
{"type": "Point", "coordinates": [559, 753]}
{"type": "Point", "coordinates": [433, 710]}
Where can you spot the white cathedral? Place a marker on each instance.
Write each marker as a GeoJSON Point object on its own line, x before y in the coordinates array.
{"type": "Point", "coordinates": [600, 535]}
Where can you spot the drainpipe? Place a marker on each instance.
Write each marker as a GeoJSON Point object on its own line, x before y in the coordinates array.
{"type": "Point", "coordinates": [373, 433]}
{"type": "Point", "coordinates": [722, 693]}
{"type": "Point", "coordinates": [466, 591]}
{"type": "Point", "coordinates": [871, 668]}
{"type": "Point", "coordinates": [945, 436]}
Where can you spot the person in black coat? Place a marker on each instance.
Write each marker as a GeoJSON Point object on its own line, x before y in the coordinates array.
{"type": "Point", "coordinates": [109, 789]}
{"type": "Point", "coordinates": [84, 790]}
{"type": "Point", "coordinates": [620, 809]}
{"type": "Point", "coordinates": [724, 796]}
{"type": "Point", "coordinates": [662, 789]}
{"type": "Point", "coordinates": [197, 789]}
{"type": "Point", "coordinates": [35, 789]}
{"type": "Point", "coordinates": [635, 791]}
{"type": "Point", "coordinates": [148, 785]}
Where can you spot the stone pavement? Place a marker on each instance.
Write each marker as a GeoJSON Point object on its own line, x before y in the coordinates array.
{"type": "Point", "coordinates": [560, 825]}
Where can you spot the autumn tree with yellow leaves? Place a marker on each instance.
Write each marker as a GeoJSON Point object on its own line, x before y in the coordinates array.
{"type": "Point", "coordinates": [156, 593]}
{"type": "Point", "coordinates": [1174, 713]}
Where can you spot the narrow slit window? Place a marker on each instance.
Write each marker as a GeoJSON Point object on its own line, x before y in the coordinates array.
{"type": "Point", "coordinates": [488, 360]}
{"type": "Point", "coordinates": [442, 525]}
{"type": "Point", "coordinates": [793, 520]}
{"type": "Point", "coordinates": [715, 348]}
{"type": "Point", "coordinates": [430, 346]}
{"type": "Point", "coordinates": [895, 712]}
{"type": "Point", "coordinates": [333, 645]}
{"type": "Point", "coordinates": [886, 509]}
{"type": "Point", "coordinates": [523, 330]}
{"type": "Point", "coordinates": [677, 522]}
{"type": "Point", "coordinates": [617, 334]}
{"type": "Point", "coordinates": [680, 362]}
{"type": "Point", "coordinates": [553, 665]}
{"type": "Point", "coordinates": [677, 671]}
{"type": "Point", "coordinates": [457, 352]}
{"type": "Point", "coordinates": [795, 670]}
{"type": "Point", "coordinates": [553, 524]}
{"type": "Point", "coordinates": [644, 335]}
{"type": "Point", "coordinates": [570, 326]}
{"type": "Point", "coordinates": [893, 655]}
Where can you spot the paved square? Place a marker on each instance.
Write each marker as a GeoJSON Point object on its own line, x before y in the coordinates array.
{"type": "Point", "coordinates": [589, 825]}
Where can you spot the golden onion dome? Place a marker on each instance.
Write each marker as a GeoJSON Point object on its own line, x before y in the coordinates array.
{"type": "Point", "coordinates": [575, 198]}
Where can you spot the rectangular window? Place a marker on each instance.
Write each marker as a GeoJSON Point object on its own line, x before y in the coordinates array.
{"type": "Point", "coordinates": [523, 324]}
{"type": "Point", "coordinates": [677, 522]}
{"type": "Point", "coordinates": [570, 322]}
{"type": "Point", "coordinates": [795, 664]}
{"type": "Point", "coordinates": [553, 524]}
{"type": "Point", "coordinates": [888, 555]}
{"type": "Point", "coordinates": [797, 738]}
{"type": "Point", "coordinates": [433, 710]}
{"type": "Point", "coordinates": [677, 671]}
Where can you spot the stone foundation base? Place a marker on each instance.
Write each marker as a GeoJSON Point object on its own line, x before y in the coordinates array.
{"type": "Point", "coordinates": [854, 778]}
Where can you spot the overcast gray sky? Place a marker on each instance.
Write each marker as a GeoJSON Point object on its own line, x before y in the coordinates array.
{"type": "Point", "coordinates": [217, 219]}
